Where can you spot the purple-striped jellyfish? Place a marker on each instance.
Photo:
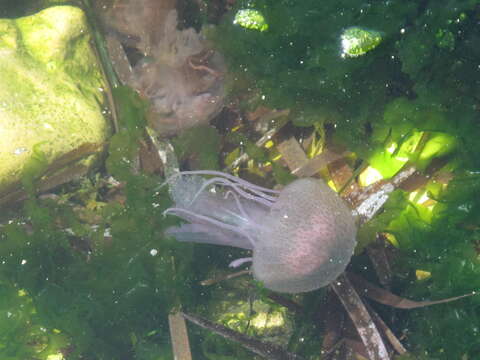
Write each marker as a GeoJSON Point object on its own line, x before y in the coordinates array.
{"type": "Point", "coordinates": [302, 237]}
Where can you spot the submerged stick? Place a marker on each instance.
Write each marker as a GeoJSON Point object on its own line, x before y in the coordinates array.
{"type": "Point", "coordinates": [216, 280]}
{"type": "Point", "coordinates": [179, 337]}
{"type": "Point", "coordinates": [267, 350]}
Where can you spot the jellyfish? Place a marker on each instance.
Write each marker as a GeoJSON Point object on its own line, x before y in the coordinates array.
{"type": "Point", "coordinates": [301, 237]}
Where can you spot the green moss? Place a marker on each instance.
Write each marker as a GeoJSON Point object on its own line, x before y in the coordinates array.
{"type": "Point", "coordinates": [202, 145]}
{"type": "Point", "coordinates": [123, 147]}
{"type": "Point", "coordinates": [100, 298]}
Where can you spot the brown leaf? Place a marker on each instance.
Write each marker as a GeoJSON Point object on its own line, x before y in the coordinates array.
{"type": "Point", "coordinates": [377, 252]}
{"type": "Point", "coordinates": [341, 174]}
{"type": "Point", "coordinates": [313, 166]}
{"type": "Point", "coordinates": [357, 311]}
{"type": "Point", "coordinates": [387, 298]}
{"type": "Point", "coordinates": [292, 153]}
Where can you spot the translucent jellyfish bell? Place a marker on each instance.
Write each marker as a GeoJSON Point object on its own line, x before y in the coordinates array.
{"type": "Point", "coordinates": [302, 237]}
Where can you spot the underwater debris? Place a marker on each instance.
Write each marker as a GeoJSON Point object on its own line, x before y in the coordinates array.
{"type": "Point", "coordinates": [178, 71]}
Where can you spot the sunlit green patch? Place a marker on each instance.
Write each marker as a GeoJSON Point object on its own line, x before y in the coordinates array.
{"type": "Point", "coordinates": [357, 41]}
{"type": "Point", "coordinates": [251, 19]}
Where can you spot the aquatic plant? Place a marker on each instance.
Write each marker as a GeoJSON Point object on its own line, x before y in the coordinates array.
{"type": "Point", "coordinates": [302, 237]}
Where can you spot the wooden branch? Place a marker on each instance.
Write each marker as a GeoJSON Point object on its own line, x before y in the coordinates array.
{"type": "Point", "coordinates": [179, 337]}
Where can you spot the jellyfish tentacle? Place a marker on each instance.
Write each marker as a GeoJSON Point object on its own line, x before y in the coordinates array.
{"type": "Point", "coordinates": [245, 183]}
{"type": "Point", "coordinates": [238, 262]}
{"type": "Point", "coordinates": [239, 204]}
{"type": "Point", "coordinates": [222, 225]}
{"type": "Point", "coordinates": [233, 178]}
{"type": "Point", "coordinates": [257, 196]}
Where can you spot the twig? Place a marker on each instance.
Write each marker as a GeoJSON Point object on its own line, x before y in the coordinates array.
{"type": "Point", "coordinates": [372, 198]}
{"type": "Point", "coordinates": [64, 169]}
{"type": "Point", "coordinates": [267, 350]}
{"type": "Point", "coordinates": [179, 337]}
{"type": "Point", "coordinates": [215, 280]}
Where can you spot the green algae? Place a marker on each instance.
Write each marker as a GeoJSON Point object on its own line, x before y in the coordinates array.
{"type": "Point", "coordinates": [446, 245]}
{"type": "Point", "coordinates": [201, 144]}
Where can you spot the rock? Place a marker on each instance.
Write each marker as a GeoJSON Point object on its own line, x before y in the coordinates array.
{"type": "Point", "coordinates": [51, 92]}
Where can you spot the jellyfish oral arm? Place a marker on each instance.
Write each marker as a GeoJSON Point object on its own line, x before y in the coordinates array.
{"type": "Point", "coordinates": [193, 217]}
{"type": "Point", "coordinates": [239, 262]}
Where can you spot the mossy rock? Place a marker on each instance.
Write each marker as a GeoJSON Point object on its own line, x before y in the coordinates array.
{"type": "Point", "coordinates": [51, 96]}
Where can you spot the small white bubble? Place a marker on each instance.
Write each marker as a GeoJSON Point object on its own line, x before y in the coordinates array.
{"type": "Point", "coordinates": [19, 151]}
{"type": "Point", "coordinates": [153, 252]}
{"type": "Point", "coordinates": [107, 233]}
